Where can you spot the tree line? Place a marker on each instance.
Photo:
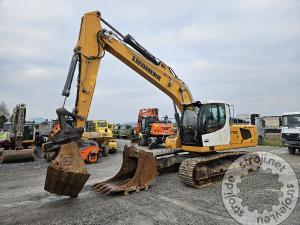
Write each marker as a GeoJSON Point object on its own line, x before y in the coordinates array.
{"type": "Point", "coordinates": [4, 114]}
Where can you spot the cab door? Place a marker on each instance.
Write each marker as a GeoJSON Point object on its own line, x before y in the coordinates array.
{"type": "Point", "coordinates": [214, 124]}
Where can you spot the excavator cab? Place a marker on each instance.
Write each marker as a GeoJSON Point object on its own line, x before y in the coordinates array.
{"type": "Point", "coordinates": [146, 121]}
{"type": "Point", "coordinates": [205, 124]}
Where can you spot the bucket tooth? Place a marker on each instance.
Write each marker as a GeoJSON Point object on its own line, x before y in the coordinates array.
{"type": "Point", "coordinates": [138, 170]}
{"type": "Point", "coordinates": [67, 174]}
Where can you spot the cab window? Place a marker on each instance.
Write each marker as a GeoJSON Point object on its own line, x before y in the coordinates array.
{"type": "Point", "coordinates": [222, 114]}
{"type": "Point", "coordinates": [213, 118]}
{"type": "Point", "coordinates": [101, 124]}
{"type": "Point", "coordinates": [143, 122]}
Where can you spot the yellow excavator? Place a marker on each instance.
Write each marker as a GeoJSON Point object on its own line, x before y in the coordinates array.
{"type": "Point", "coordinates": [206, 132]}
{"type": "Point", "coordinates": [19, 145]}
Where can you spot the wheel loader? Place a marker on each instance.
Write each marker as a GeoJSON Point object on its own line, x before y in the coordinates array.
{"type": "Point", "coordinates": [18, 146]}
{"type": "Point", "coordinates": [99, 131]}
{"type": "Point", "coordinates": [206, 135]}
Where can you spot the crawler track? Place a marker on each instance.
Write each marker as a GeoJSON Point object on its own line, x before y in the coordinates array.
{"type": "Point", "coordinates": [203, 171]}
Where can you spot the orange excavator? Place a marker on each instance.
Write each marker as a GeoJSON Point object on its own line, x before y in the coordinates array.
{"type": "Point", "coordinates": [205, 132]}
{"type": "Point", "coordinates": [150, 130]}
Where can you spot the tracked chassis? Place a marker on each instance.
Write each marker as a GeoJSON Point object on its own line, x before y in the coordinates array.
{"type": "Point", "coordinates": [194, 169]}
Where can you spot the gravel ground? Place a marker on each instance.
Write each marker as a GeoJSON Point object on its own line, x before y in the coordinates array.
{"type": "Point", "coordinates": [168, 201]}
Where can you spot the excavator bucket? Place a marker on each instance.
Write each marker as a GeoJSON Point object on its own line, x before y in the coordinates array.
{"type": "Point", "coordinates": [23, 155]}
{"type": "Point", "coordinates": [138, 170]}
{"type": "Point", "coordinates": [67, 174]}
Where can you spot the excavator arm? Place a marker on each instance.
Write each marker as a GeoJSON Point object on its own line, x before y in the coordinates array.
{"type": "Point", "coordinates": [92, 44]}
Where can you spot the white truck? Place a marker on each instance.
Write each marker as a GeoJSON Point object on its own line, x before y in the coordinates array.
{"type": "Point", "coordinates": [291, 131]}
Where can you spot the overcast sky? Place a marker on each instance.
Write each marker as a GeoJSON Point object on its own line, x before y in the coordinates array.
{"type": "Point", "coordinates": [243, 52]}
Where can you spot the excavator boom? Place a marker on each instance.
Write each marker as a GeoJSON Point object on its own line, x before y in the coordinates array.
{"type": "Point", "coordinates": [92, 44]}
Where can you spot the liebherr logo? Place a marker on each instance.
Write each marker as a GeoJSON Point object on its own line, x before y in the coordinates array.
{"type": "Point", "coordinates": [145, 67]}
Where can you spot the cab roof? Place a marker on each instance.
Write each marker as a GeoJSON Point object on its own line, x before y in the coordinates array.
{"type": "Point", "coordinates": [290, 113]}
